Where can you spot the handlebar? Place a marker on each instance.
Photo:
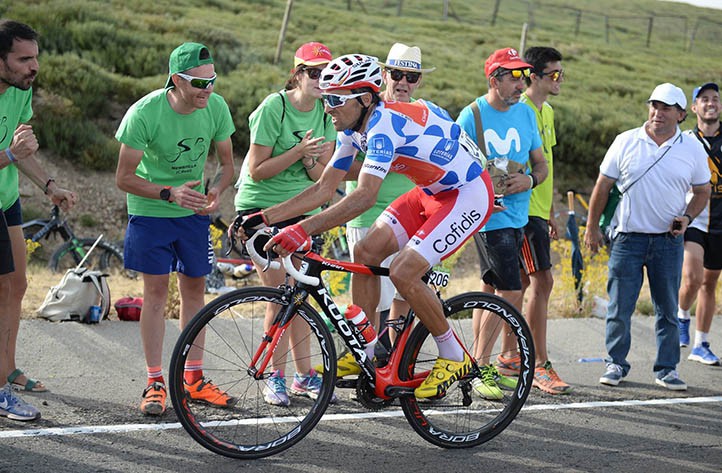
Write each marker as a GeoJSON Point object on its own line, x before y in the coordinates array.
{"type": "Point", "coordinates": [254, 246]}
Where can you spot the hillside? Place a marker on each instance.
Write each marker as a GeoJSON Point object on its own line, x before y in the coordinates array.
{"type": "Point", "coordinates": [99, 56]}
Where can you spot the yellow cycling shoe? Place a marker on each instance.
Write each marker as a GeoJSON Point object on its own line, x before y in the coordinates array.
{"type": "Point", "coordinates": [345, 366]}
{"type": "Point", "coordinates": [443, 374]}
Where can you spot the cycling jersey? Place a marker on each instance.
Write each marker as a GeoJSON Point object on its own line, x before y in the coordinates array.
{"type": "Point", "coordinates": [418, 140]}
{"type": "Point", "coordinates": [451, 200]}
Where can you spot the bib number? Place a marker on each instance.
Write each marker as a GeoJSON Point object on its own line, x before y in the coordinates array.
{"type": "Point", "coordinates": [439, 277]}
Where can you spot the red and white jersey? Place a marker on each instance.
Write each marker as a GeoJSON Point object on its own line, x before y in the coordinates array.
{"type": "Point", "coordinates": [418, 140]}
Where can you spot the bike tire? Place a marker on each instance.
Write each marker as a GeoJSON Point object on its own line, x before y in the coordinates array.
{"type": "Point", "coordinates": [231, 327]}
{"type": "Point", "coordinates": [462, 418]}
{"type": "Point", "coordinates": [105, 257]}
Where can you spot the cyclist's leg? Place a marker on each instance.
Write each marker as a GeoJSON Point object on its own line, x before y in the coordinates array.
{"type": "Point", "coordinates": [380, 242]}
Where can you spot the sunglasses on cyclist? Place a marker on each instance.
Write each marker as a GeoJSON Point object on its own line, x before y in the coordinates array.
{"type": "Point", "coordinates": [556, 75]}
{"type": "Point", "coordinates": [335, 101]}
{"type": "Point", "coordinates": [397, 75]}
{"type": "Point", "coordinates": [515, 73]}
{"type": "Point", "coordinates": [312, 72]}
{"type": "Point", "coordinates": [198, 82]}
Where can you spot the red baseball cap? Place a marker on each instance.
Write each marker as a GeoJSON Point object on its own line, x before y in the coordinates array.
{"type": "Point", "coordinates": [508, 58]}
{"type": "Point", "coordinates": [312, 54]}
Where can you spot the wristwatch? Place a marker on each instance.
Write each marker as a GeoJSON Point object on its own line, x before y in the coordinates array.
{"type": "Point", "coordinates": [165, 193]}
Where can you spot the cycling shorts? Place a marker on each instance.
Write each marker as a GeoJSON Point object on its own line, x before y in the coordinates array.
{"type": "Point", "coordinates": [435, 226]}
{"type": "Point", "coordinates": [536, 248]}
{"type": "Point", "coordinates": [712, 245]}
{"type": "Point", "coordinates": [161, 245]}
{"type": "Point", "coordinates": [7, 264]}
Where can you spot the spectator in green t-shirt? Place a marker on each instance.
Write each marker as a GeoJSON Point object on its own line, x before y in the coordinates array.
{"type": "Point", "coordinates": [18, 145]}
{"type": "Point", "coordinates": [291, 140]}
{"type": "Point", "coordinates": [165, 140]}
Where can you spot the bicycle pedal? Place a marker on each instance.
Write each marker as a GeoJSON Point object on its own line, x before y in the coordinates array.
{"type": "Point", "coordinates": [346, 383]}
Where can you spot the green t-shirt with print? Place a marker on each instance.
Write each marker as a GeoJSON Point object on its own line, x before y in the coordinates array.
{"type": "Point", "coordinates": [15, 108]}
{"type": "Point", "coordinates": [278, 124]}
{"type": "Point", "coordinates": [175, 146]}
{"type": "Point", "coordinates": [540, 204]}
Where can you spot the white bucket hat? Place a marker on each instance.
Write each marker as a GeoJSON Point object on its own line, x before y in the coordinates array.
{"type": "Point", "coordinates": [405, 58]}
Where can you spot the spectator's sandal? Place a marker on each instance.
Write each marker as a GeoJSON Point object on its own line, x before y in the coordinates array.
{"type": "Point", "coordinates": [31, 385]}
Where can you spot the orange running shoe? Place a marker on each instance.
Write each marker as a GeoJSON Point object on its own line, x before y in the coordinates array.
{"type": "Point", "coordinates": [547, 379]}
{"type": "Point", "coordinates": [508, 366]}
{"type": "Point", "coordinates": [153, 403]}
{"type": "Point", "coordinates": [209, 393]}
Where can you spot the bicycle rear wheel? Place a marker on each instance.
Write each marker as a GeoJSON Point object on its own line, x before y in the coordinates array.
{"type": "Point", "coordinates": [462, 418]}
{"type": "Point", "coordinates": [105, 257]}
{"type": "Point", "coordinates": [232, 326]}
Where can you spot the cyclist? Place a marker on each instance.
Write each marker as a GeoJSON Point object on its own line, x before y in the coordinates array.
{"type": "Point", "coordinates": [452, 198]}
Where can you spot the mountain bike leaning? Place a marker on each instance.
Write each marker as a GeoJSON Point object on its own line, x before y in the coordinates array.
{"type": "Point", "coordinates": [237, 354]}
{"type": "Point", "coordinates": [105, 256]}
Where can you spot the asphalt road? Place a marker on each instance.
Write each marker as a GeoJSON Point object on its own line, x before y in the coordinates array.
{"type": "Point", "coordinates": [96, 374]}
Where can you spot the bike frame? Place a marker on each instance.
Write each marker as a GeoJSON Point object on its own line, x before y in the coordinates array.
{"type": "Point", "coordinates": [386, 381]}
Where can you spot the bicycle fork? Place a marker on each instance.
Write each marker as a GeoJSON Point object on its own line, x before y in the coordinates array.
{"type": "Point", "coordinates": [270, 339]}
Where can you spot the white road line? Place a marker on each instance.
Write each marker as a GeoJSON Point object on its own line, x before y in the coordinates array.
{"type": "Point", "coordinates": [123, 428]}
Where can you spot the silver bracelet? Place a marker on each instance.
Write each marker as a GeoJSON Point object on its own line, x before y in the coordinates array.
{"type": "Point", "coordinates": [308, 168]}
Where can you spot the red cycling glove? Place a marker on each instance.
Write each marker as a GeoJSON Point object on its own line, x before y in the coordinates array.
{"type": "Point", "coordinates": [293, 238]}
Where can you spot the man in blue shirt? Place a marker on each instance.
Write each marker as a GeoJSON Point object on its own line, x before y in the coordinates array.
{"type": "Point", "coordinates": [508, 134]}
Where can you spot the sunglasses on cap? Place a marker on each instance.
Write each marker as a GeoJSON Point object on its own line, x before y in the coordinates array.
{"type": "Point", "coordinates": [198, 82]}
{"type": "Point", "coordinates": [515, 73]}
{"type": "Point", "coordinates": [335, 101]}
{"type": "Point", "coordinates": [312, 72]}
{"type": "Point", "coordinates": [397, 75]}
{"type": "Point", "coordinates": [555, 75]}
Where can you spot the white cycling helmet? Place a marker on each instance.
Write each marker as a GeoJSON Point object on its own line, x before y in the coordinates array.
{"type": "Point", "coordinates": [352, 71]}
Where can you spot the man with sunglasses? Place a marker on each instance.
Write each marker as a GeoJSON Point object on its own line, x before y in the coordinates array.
{"type": "Point", "coordinates": [402, 75]}
{"type": "Point", "coordinates": [451, 200]}
{"type": "Point", "coordinates": [513, 146]}
{"type": "Point", "coordinates": [703, 239]}
{"type": "Point", "coordinates": [545, 80]}
{"type": "Point", "coordinates": [165, 140]}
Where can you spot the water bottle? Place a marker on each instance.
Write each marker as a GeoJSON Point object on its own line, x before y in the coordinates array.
{"type": "Point", "coordinates": [225, 268]}
{"type": "Point", "coordinates": [242, 270]}
{"type": "Point", "coordinates": [356, 316]}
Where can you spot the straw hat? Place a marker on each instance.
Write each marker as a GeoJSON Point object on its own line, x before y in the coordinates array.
{"type": "Point", "coordinates": [405, 58]}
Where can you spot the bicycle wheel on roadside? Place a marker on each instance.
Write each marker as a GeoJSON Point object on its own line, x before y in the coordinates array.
{"type": "Point", "coordinates": [463, 418]}
{"type": "Point", "coordinates": [226, 333]}
{"type": "Point", "coordinates": [104, 257]}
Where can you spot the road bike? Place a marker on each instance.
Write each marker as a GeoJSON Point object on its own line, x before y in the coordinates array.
{"type": "Point", "coordinates": [105, 257]}
{"type": "Point", "coordinates": [237, 353]}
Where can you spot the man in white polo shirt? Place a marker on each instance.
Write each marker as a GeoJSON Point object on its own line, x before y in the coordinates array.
{"type": "Point", "coordinates": [653, 166]}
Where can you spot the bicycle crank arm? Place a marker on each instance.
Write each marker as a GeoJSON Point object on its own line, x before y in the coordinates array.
{"type": "Point", "coordinates": [346, 383]}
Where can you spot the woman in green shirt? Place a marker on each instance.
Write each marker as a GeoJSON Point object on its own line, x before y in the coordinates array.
{"type": "Point", "coordinates": [291, 140]}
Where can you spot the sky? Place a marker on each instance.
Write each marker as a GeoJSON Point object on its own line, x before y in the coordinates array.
{"type": "Point", "coordinates": [702, 3]}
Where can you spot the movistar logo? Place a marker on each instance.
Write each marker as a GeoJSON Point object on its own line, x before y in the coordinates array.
{"type": "Point", "coordinates": [502, 146]}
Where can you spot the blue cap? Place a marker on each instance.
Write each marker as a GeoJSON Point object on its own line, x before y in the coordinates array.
{"type": "Point", "coordinates": [703, 87]}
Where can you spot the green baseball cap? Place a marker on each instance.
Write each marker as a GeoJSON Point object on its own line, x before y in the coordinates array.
{"type": "Point", "coordinates": [187, 56]}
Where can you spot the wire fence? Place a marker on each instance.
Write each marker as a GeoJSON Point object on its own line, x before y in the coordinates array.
{"type": "Point", "coordinates": [679, 31]}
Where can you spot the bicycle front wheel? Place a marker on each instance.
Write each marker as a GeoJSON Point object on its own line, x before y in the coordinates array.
{"type": "Point", "coordinates": [226, 333]}
{"type": "Point", "coordinates": [463, 417]}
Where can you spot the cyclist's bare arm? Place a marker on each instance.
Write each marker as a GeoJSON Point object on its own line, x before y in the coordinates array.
{"type": "Point", "coordinates": [312, 197]}
{"type": "Point", "coordinates": [352, 205]}
{"type": "Point", "coordinates": [127, 181]}
{"type": "Point", "coordinates": [223, 177]}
